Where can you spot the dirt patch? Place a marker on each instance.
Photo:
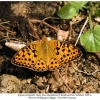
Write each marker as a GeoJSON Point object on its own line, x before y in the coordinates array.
{"type": "Point", "coordinates": [83, 78]}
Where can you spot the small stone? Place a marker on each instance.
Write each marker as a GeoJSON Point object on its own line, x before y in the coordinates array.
{"type": "Point", "coordinates": [40, 79]}
{"type": "Point", "coordinates": [88, 88]}
{"type": "Point", "coordinates": [51, 80]}
{"type": "Point", "coordinates": [92, 91]}
{"type": "Point", "coordinates": [44, 79]}
{"type": "Point", "coordinates": [24, 81]}
{"type": "Point", "coordinates": [72, 70]}
{"type": "Point", "coordinates": [95, 85]}
{"type": "Point", "coordinates": [54, 87]}
{"type": "Point", "coordinates": [82, 92]}
{"type": "Point", "coordinates": [85, 89]}
{"type": "Point", "coordinates": [42, 91]}
{"type": "Point", "coordinates": [29, 81]}
{"type": "Point", "coordinates": [47, 89]}
{"type": "Point", "coordinates": [23, 91]}
{"type": "Point", "coordinates": [72, 84]}
{"type": "Point", "coordinates": [63, 88]}
{"type": "Point", "coordinates": [77, 91]}
{"type": "Point", "coordinates": [98, 90]}
{"type": "Point", "coordinates": [83, 81]}
{"type": "Point", "coordinates": [98, 75]}
{"type": "Point", "coordinates": [37, 91]}
{"type": "Point", "coordinates": [10, 84]}
{"type": "Point", "coordinates": [78, 82]}
{"type": "Point", "coordinates": [39, 82]}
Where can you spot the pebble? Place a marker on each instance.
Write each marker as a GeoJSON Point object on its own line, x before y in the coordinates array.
{"type": "Point", "coordinates": [85, 88]}
{"type": "Point", "coordinates": [42, 91]}
{"type": "Point", "coordinates": [54, 87]}
{"type": "Point", "coordinates": [39, 82]}
{"type": "Point", "coordinates": [44, 79]}
{"type": "Point", "coordinates": [78, 82]}
{"type": "Point", "coordinates": [95, 85]}
{"type": "Point", "coordinates": [23, 91]}
{"type": "Point", "coordinates": [47, 88]}
{"type": "Point", "coordinates": [51, 80]}
{"type": "Point", "coordinates": [88, 88]}
{"type": "Point", "coordinates": [82, 91]}
{"type": "Point", "coordinates": [10, 84]}
{"type": "Point", "coordinates": [29, 81]}
{"type": "Point", "coordinates": [83, 81]}
{"type": "Point", "coordinates": [98, 89]}
{"type": "Point", "coordinates": [77, 91]}
{"type": "Point", "coordinates": [64, 89]}
{"type": "Point", "coordinates": [72, 70]}
{"type": "Point", "coordinates": [24, 81]}
{"type": "Point", "coordinates": [71, 82]}
{"type": "Point", "coordinates": [98, 75]}
{"type": "Point", "coordinates": [93, 91]}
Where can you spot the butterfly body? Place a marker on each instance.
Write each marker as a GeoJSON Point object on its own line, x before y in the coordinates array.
{"type": "Point", "coordinates": [45, 55]}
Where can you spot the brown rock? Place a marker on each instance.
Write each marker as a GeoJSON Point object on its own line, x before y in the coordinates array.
{"type": "Point", "coordinates": [9, 84]}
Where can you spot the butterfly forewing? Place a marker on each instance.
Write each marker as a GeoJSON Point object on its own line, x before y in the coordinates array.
{"type": "Point", "coordinates": [27, 56]}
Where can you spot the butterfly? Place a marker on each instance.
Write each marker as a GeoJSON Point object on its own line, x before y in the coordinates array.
{"type": "Point", "coordinates": [45, 55]}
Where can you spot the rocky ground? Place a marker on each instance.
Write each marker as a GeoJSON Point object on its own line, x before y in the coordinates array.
{"type": "Point", "coordinates": [82, 76]}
